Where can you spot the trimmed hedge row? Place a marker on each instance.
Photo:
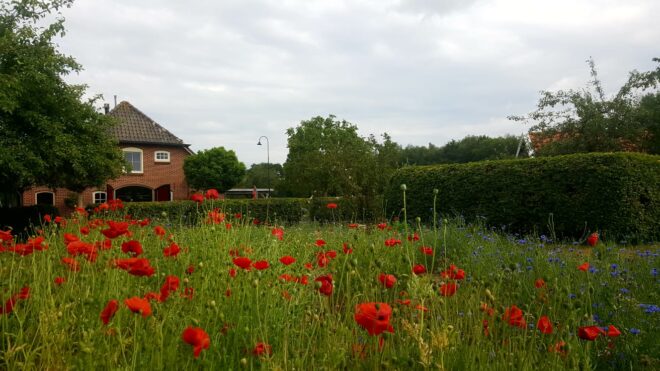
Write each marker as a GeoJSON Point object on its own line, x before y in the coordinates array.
{"type": "Point", "coordinates": [617, 194]}
{"type": "Point", "coordinates": [274, 210]}
{"type": "Point", "coordinates": [22, 219]}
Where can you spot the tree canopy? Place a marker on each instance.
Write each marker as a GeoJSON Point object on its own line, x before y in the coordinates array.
{"type": "Point", "coordinates": [216, 168]}
{"type": "Point", "coordinates": [328, 157]}
{"type": "Point", "coordinates": [469, 149]}
{"type": "Point", "coordinates": [49, 135]}
{"type": "Point", "coordinates": [589, 120]}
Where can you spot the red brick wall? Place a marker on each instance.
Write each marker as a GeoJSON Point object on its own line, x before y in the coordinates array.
{"type": "Point", "coordinates": [154, 175]}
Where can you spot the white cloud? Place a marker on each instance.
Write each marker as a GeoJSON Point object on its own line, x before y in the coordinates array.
{"type": "Point", "coordinates": [223, 73]}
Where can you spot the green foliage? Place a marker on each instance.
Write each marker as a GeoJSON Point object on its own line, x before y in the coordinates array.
{"type": "Point", "coordinates": [213, 168]}
{"type": "Point", "coordinates": [588, 120]}
{"type": "Point", "coordinates": [617, 194]}
{"type": "Point", "coordinates": [49, 136]}
{"type": "Point", "coordinates": [329, 158]}
{"type": "Point", "coordinates": [275, 210]}
{"type": "Point", "coordinates": [22, 220]}
{"type": "Point", "coordinates": [468, 149]}
{"type": "Point", "coordinates": [261, 175]}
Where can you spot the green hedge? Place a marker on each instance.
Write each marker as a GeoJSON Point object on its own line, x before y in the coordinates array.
{"type": "Point", "coordinates": [274, 210]}
{"type": "Point", "coordinates": [617, 194]}
{"type": "Point", "coordinates": [22, 219]}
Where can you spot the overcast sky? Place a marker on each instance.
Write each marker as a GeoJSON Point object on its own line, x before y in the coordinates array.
{"type": "Point", "coordinates": [223, 73]}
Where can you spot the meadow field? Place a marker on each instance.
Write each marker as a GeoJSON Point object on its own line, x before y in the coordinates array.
{"type": "Point", "coordinates": [104, 291]}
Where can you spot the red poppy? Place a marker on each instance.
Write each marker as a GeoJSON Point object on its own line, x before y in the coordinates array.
{"type": "Point", "coordinates": [144, 222]}
{"type": "Point", "coordinates": [559, 348]}
{"type": "Point", "coordinates": [243, 262]}
{"type": "Point", "coordinates": [414, 237]}
{"type": "Point", "coordinates": [190, 269]}
{"type": "Point", "coordinates": [331, 205]}
{"type": "Point", "coordinates": [544, 325]}
{"type": "Point", "coordinates": [453, 272]}
{"type": "Point", "coordinates": [514, 317]}
{"type": "Point", "coordinates": [76, 248]}
{"type": "Point", "coordinates": [353, 225]}
{"type": "Point", "coordinates": [116, 229]}
{"type": "Point", "coordinates": [109, 311]}
{"type": "Point", "coordinates": [261, 265]}
{"type": "Point", "coordinates": [382, 226]}
{"type": "Point", "coordinates": [84, 230]}
{"type": "Point", "coordinates": [613, 331]}
{"type": "Point", "coordinates": [262, 349]}
{"type": "Point", "coordinates": [5, 236]}
{"type": "Point", "coordinates": [197, 197]}
{"type": "Point", "coordinates": [277, 232]}
{"type": "Point", "coordinates": [319, 243]}
{"type": "Point", "coordinates": [212, 194]}
{"type": "Point", "coordinates": [151, 296]}
{"type": "Point", "coordinates": [132, 247]}
{"type": "Point", "coordinates": [309, 266]}
{"type": "Point", "coordinates": [387, 280]}
{"type": "Point", "coordinates": [326, 284]}
{"type": "Point", "coordinates": [171, 251]}
{"type": "Point", "coordinates": [287, 260]}
{"type": "Point", "coordinates": [139, 305]}
{"type": "Point", "coordinates": [68, 238]}
{"type": "Point", "coordinates": [374, 317]}
{"type": "Point", "coordinates": [8, 307]}
{"type": "Point", "coordinates": [61, 221]}
{"type": "Point", "coordinates": [419, 269]}
{"type": "Point", "coordinates": [59, 280]}
{"type": "Point", "coordinates": [448, 289]}
{"type": "Point", "coordinates": [347, 250]}
{"type": "Point", "coordinates": [589, 332]}
{"type": "Point", "coordinates": [426, 250]}
{"type": "Point", "coordinates": [592, 240]}
{"type": "Point", "coordinates": [47, 218]}
{"type": "Point", "coordinates": [71, 263]}
{"type": "Point", "coordinates": [486, 309]}
{"type": "Point", "coordinates": [188, 293]}
{"type": "Point", "coordinates": [539, 283]}
{"type": "Point", "coordinates": [135, 266]}
{"type": "Point", "coordinates": [215, 217]}
{"type": "Point", "coordinates": [159, 231]}
{"type": "Point", "coordinates": [392, 242]}
{"type": "Point", "coordinates": [584, 267]}
{"type": "Point", "coordinates": [232, 272]}
{"type": "Point", "coordinates": [171, 285]}
{"type": "Point", "coordinates": [196, 337]}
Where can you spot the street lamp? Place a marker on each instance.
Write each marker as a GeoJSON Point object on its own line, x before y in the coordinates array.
{"type": "Point", "coordinates": [267, 159]}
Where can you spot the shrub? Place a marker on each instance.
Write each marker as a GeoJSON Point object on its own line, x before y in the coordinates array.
{"type": "Point", "coordinates": [277, 210]}
{"type": "Point", "coordinates": [617, 194]}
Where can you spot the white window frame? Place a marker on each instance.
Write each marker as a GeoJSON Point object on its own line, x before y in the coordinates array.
{"type": "Point", "coordinates": [156, 159]}
{"type": "Point", "coordinates": [98, 192]}
{"type": "Point", "coordinates": [133, 149]}
{"type": "Point", "coordinates": [36, 194]}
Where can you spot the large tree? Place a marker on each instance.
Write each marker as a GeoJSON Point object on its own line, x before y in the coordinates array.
{"type": "Point", "coordinates": [49, 136]}
{"type": "Point", "coordinates": [589, 120]}
{"type": "Point", "coordinates": [328, 157]}
{"type": "Point", "coordinates": [216, 168]}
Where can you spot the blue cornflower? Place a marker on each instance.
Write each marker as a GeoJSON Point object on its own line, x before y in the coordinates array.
{"type": "Point", "coordinates": [634, 331]}
{"type": "Point", "coordinates": [593, 270]}
{"type": "Point", "coordinates": [613, 267]}
{"type": "Point", "coordinates": [624, 290]}
{"type": "Point", "coordinates": [654, 272]}
{"type": "Point", "coordinates": [529, 267]}
{"type": "Point", "coordinates": [572, 296]}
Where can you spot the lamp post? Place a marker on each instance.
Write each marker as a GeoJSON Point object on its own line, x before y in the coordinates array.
{"type": "Point", "coordinates": [267, 159]}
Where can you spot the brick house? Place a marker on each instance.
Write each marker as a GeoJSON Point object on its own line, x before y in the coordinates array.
{"type": "Point", "coordinates": [156, 158]}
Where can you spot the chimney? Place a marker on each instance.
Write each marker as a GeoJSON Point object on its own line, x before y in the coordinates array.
{"type": "Point", "coordinates": [106, 108]}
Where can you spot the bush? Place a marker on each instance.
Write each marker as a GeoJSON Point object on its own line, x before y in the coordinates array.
{"type": "Point", "coordinates": [276, 210]}
{"type": "Point", "coordinates": [22, 219]}
{"type": "Point", "coordinates": [616, 194]}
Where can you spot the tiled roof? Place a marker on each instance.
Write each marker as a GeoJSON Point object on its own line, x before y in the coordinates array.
{"type": "Point", "coordinates": [133, 126]}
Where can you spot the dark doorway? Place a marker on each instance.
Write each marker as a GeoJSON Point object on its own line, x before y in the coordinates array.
{"type": "Point", "coordinates": [134, 194]}
{"type": "Point", "coordinates": [163, 193]}
{"type": "Point", "coordinates": [110, 192]}
{"type": "Point", "coordinates": [45, 198]}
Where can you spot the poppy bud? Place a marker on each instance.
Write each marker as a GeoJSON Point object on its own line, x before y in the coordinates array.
{"type": "Point", "coordinates": [201, 264]}
{"type": "Point", "coordinates": [244, 362]}
{"type": "Point", "coordinates": [403, 187]}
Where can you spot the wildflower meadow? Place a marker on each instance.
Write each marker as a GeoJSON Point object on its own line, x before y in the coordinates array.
{"type": "Point", "coordinates": [106, 291]}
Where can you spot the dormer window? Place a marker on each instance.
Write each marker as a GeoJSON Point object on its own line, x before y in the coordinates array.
{"type": "Point", "coordinates": [162, 156]}
{"type": "Point", "coordinates": [134, 158]}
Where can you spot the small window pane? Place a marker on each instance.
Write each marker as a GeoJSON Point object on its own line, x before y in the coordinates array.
{"type": "Point", "coordinates": [135, 160]}
{"type": "Point", "coordinates": [100, 197]}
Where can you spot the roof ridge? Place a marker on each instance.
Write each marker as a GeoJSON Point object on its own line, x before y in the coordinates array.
{"type": "Point", "coordinates": [127, 106]}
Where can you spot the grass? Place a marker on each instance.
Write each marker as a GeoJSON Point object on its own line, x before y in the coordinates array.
{"type": "Point", "coordinates": [58, 327]}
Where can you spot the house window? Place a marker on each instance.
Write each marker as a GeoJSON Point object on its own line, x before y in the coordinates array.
{"type": "Point", "coordinates": [134, 158]}
{"type": "Point", "coordinates": [100, 197]}
{"type": "Point", "coordinates": [45, 198]}
{"type": "Point", "coordinates": [162, 156]}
